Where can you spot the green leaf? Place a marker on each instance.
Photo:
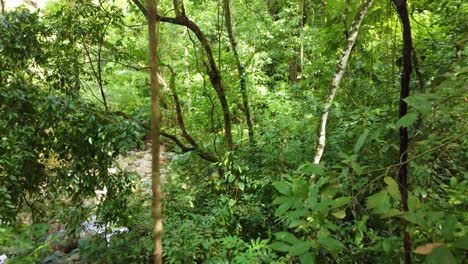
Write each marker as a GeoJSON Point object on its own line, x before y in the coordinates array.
{"type": "Point", "coordinates": [284, 207]}
{"type": "Point", "coordinates": [413, 203]}
{"type": "Point", "coordinates": [407, 120]}
{"type": "Point", "coordinates": [440, 255]}
{"type": "Point", "coordinates": [419, 103]}
{"type": "Point", "coordinates": [307, 258]}
{"type": "Point", "coordinates": [299, 248]}
{"type": "Point", "coordinates": [331, 244]}
{"type": "Point", "coordinates": [391, 213]}
{"type": "Point", "coordinates": [340, 201]}
{"type": "Point", "coordinates": [286, 236]}
{"type": "Point", "coordinates": [311, 168]}
{"type": "Point", "coordinates": [462, 243]}
{"type": "Point", "coordinates": [340, 214]}
{"type": "Point", "coordinates": [415, 218]}
{"type": "Point", "coordinates": [386, 245]}
{"type": "Point", "coordinates": [379, 202]}
{"type": "Point", "coordinates": [361, 140]}
{"type": "Point", "coordinates": [280, 246]}
{"type": "Point", "coordinates": [449, 227]}
{"type": "Point", "coordinates": [392, 188]}
{"type": "Point", "coordinates": [282, 187]}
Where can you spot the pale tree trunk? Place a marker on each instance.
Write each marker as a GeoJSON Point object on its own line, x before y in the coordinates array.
{"type": "Point", "coordinates": [340, 70]}
{"type": "Point", "coordinates": [240, 70]}
{"type": "Point", "coordinates": [155, 131]}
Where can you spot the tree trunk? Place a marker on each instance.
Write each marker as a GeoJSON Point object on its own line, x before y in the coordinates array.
{"type": "Point", "coordinates": [404, 92]}
{"type": "Point", "coordinates": [340, 70]}
{"type": "Point", "coordinates": [213, 71]}
{"type": "Point", "coordinates": [155, 131]}
{"type": "Point", "coordinates": [240, 69]}
{"type": "Point", "coordinates": [181, 122]}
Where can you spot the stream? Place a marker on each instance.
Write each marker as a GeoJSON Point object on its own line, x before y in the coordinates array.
{"type": "Point", "coordinates": [137, 161]}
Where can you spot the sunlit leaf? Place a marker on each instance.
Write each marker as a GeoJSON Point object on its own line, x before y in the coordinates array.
{"type": "Point", "coordinates": [340, 214]}
{"type": "Point", "coordinates": [379, 202]}
{"type": "Point", "coordinates": [392, 188]}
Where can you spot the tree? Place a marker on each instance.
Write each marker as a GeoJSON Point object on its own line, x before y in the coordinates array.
{"type": "Point", "coordinates": [340, 71]}
{"type": "Point", "coordinates": [212, 69]}
{"type": "Point", "coordinates": [402, 11]}
{"type": "Point", "coordinates": [240, 69]}
{"type": "Point", "coordinates": [155, 130]}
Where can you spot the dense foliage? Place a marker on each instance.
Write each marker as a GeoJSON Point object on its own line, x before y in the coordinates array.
{"type": "Point", "coordinates": [75, 94]}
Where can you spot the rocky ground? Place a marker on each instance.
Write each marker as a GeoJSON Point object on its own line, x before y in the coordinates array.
{"type": "Point", "coordinates": [139, 162]}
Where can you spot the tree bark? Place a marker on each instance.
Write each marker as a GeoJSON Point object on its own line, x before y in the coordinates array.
{"type": "Point", "coordinates": [213, 71]}
{"type": "Point", "coordinates": [402, 11]}
{"type": "Point", "coordinates": [340, 70]}
{"type": "Point", "coordinates": [181, 122]}
{"type": "Point", "coordinates": [240, 69]}
{"type": "Point", "coordinates": [155, 130]}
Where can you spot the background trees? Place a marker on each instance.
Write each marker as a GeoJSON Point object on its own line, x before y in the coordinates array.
{"type": "Point", "coordinates": [74, 94]}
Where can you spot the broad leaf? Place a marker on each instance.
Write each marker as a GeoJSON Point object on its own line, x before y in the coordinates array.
{"type": "Point", "coordinates": [299, 248]}
{"type": "Point", "coordinates": [340, 201]}
{"type": "Point", "coordinates": [284, 207]}
{"type": "Point", "coordinates": [441, 255]}
{"type": "Point", "coordinates": [287, 237]}
{"type": "Point", "coordinates": [361, 140]}
{"type": "Point", "coordinates": [282, 187]}
{"type": "Point", "coordinates": [379, 202]}
{"type": "Point", "coordinates": [407, 120]}
{"type": "Point", "coordinates": [280, 246]}
{"type": "Point", "coordinates": [413, 203]}
{"type": "Point", "coordinates": [392, 188]}
{"type": "Point", "coordinates": [419, 103]}
{"type": "Point", "coordinates": [340, 214]}
{"type": "Point", "coordinates": [391, 213]}
{"type": "Point", "coordinates": [449, 227]}
{"type": "Point", "coordinates": [307, 258]}
{"type": "Point", "coordinates": [311, 168]}
{"type": "Point", "coordinates": [331, 244]}
{"type": "Point", "coordinates": [462, 243]}
{"type": "Point", "coordinates": [415, 218]}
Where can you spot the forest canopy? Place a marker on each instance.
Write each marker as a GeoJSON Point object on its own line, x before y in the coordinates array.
{"type": "Point", "coordinates": [306, 131]}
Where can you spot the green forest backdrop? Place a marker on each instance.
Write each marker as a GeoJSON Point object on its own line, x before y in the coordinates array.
{"type": "Point", "coordinates": [244, 88]}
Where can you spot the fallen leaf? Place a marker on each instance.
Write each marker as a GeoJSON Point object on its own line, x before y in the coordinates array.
{"type": "Point", "coordinates": [426, 249]}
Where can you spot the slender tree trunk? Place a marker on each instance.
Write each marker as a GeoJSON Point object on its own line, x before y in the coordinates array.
{"type": "Point", "coordinates": [180, 120]}
{"type": "Point", "coordinates": [213, 71]}
{"type": "Point", "coordinates": [99, 75]}
{"type": "Point", "coordinates": [155, 130]}
{"type": "Point", "coordinates": [340, 70]}
{"type": "Point", "coordinates": [240, 69]}
{"type": "Point", "coordinates": [404, 92]}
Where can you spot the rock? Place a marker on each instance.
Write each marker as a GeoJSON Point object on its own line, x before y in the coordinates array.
{"type": "Point", "coordinates": [75, 258]}
{"type": "Point", "coordinates": [3, 258]}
